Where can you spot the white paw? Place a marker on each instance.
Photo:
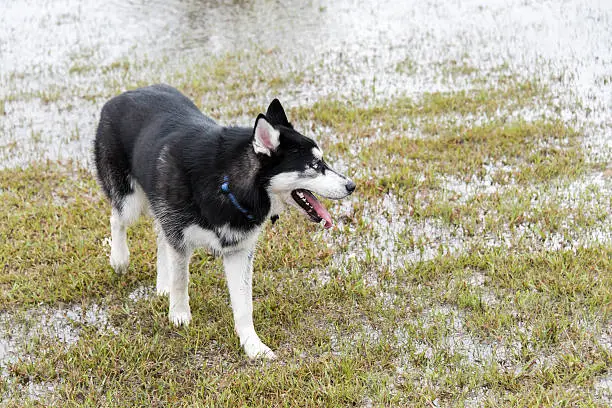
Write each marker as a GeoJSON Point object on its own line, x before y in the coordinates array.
{"type": "Point", "coordinates": [180, 316]}
{"type": "Point", "coordinates": [120, 260]}
{"type": "Point", "coordinates": [256, 349]}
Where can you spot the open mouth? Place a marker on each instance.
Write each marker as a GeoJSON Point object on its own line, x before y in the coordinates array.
{"type": "Point", "coordinates": [309, 203]}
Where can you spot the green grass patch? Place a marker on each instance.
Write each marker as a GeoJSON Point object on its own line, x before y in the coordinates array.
{"type": "Point", "coordinates": [346, 117]}
{"type": "Point", "coordinates": [54, 225]}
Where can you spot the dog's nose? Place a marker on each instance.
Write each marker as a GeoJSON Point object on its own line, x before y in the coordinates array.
{"type": "Point", "coordinates": [350, 186]}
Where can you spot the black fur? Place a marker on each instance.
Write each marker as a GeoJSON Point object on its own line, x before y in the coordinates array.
{"type": "Point", "coordinates": [157, 137]}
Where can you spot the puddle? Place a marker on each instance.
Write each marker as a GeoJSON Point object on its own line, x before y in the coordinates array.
{"type": "Point", "coordinates": [605, 340]}
{"type": "Point", "coordinates": [475, 398]}
{"type": "Point", "coordinates": [459, 341]}
{"type": "Point", "coordinates": [466, 188]}
{"type": "Point", "coordinates": [23, 328]}
{"type": "Point", "coordinates": [342, 340]}
{"type": "Point", "coordinates": [591, 195]}
{"type": "Point", "coordinates": [394, 239]}
{"type": "Point", "coordinates": [42, 392]}
{"type": "Point", "coordinates": [391, 238]}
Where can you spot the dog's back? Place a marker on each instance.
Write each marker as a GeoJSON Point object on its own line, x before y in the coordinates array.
{"type": "Point", "coordinates": [140, 120]}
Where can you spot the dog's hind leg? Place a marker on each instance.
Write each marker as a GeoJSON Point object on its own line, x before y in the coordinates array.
{"type": "Point", "coordinates": [126, 196]}
{"type": "Point", "coordinates": [120, 254]}
{"type": "Point", "coordinates": [123, 214]}
{"type": "Point", "coordinates": [177, 263]}
{"type": "Point", "coordinates": [239, 275]}
{"type": "Point", "coordinates": [163, 263]}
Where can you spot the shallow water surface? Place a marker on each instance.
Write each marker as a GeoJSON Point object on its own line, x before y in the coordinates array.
{"type": "Point", "coordinates": [49, 47]}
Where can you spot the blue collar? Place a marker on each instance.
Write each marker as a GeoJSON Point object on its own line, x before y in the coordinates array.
{"type": "Point", "coordinates": [225, 189]}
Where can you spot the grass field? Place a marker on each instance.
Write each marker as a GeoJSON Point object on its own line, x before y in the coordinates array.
{"type": "Point", "coordinates": [472, 267]}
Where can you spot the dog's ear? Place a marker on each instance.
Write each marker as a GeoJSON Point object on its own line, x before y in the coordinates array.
{"type": "Point", "coordinates": [276, 114]}
{"type": "Point", "coordinates": [265, 137]}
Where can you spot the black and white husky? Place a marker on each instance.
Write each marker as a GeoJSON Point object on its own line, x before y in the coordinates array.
{"type": "Point", "coordinates": [206, 186]}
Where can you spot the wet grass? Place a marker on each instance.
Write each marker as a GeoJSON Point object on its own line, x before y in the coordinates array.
{"type": "Point", "coordinates": [345, 116]}
{"type": "Point", "coordinates": [519, 151]}
{"type": "Point", "coordinates": [340, 343]}
{"type": "Point", "coordinates": [492, 324]}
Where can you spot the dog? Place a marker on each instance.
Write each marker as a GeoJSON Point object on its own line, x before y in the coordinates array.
{"type": "Point", "coordinates": [205, 185]}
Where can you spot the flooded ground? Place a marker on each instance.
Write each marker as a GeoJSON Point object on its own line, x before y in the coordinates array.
{"type": "Point", "coordinates": [61, 60]}
{"type": "Point", "coordinates": [52, 51]}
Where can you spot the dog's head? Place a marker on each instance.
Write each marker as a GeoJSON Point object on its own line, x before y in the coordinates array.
{"type": "Point", "coordinates": [293, 167]}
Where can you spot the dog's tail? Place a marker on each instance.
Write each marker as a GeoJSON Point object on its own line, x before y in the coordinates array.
{"type": "Point", "coordinates": [111, 159]}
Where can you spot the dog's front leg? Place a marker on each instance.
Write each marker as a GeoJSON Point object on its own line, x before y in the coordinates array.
{"type": "Point", "coordinates": [178, 275]}
{"type": "Point", "coordinates": [239, 275]}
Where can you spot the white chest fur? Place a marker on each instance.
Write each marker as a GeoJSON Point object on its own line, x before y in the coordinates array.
{"type": "Point", "coordinates": [198, 237]}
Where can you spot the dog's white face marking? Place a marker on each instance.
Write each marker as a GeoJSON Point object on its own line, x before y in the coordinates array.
{"type": "Point", "coordinates": [328, 185]}
{"type": "Point", "coordinates": [296, 187]}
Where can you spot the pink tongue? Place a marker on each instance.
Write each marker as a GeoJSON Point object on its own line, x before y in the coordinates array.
{"type": "Point", "coordinates": [321, 211]}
